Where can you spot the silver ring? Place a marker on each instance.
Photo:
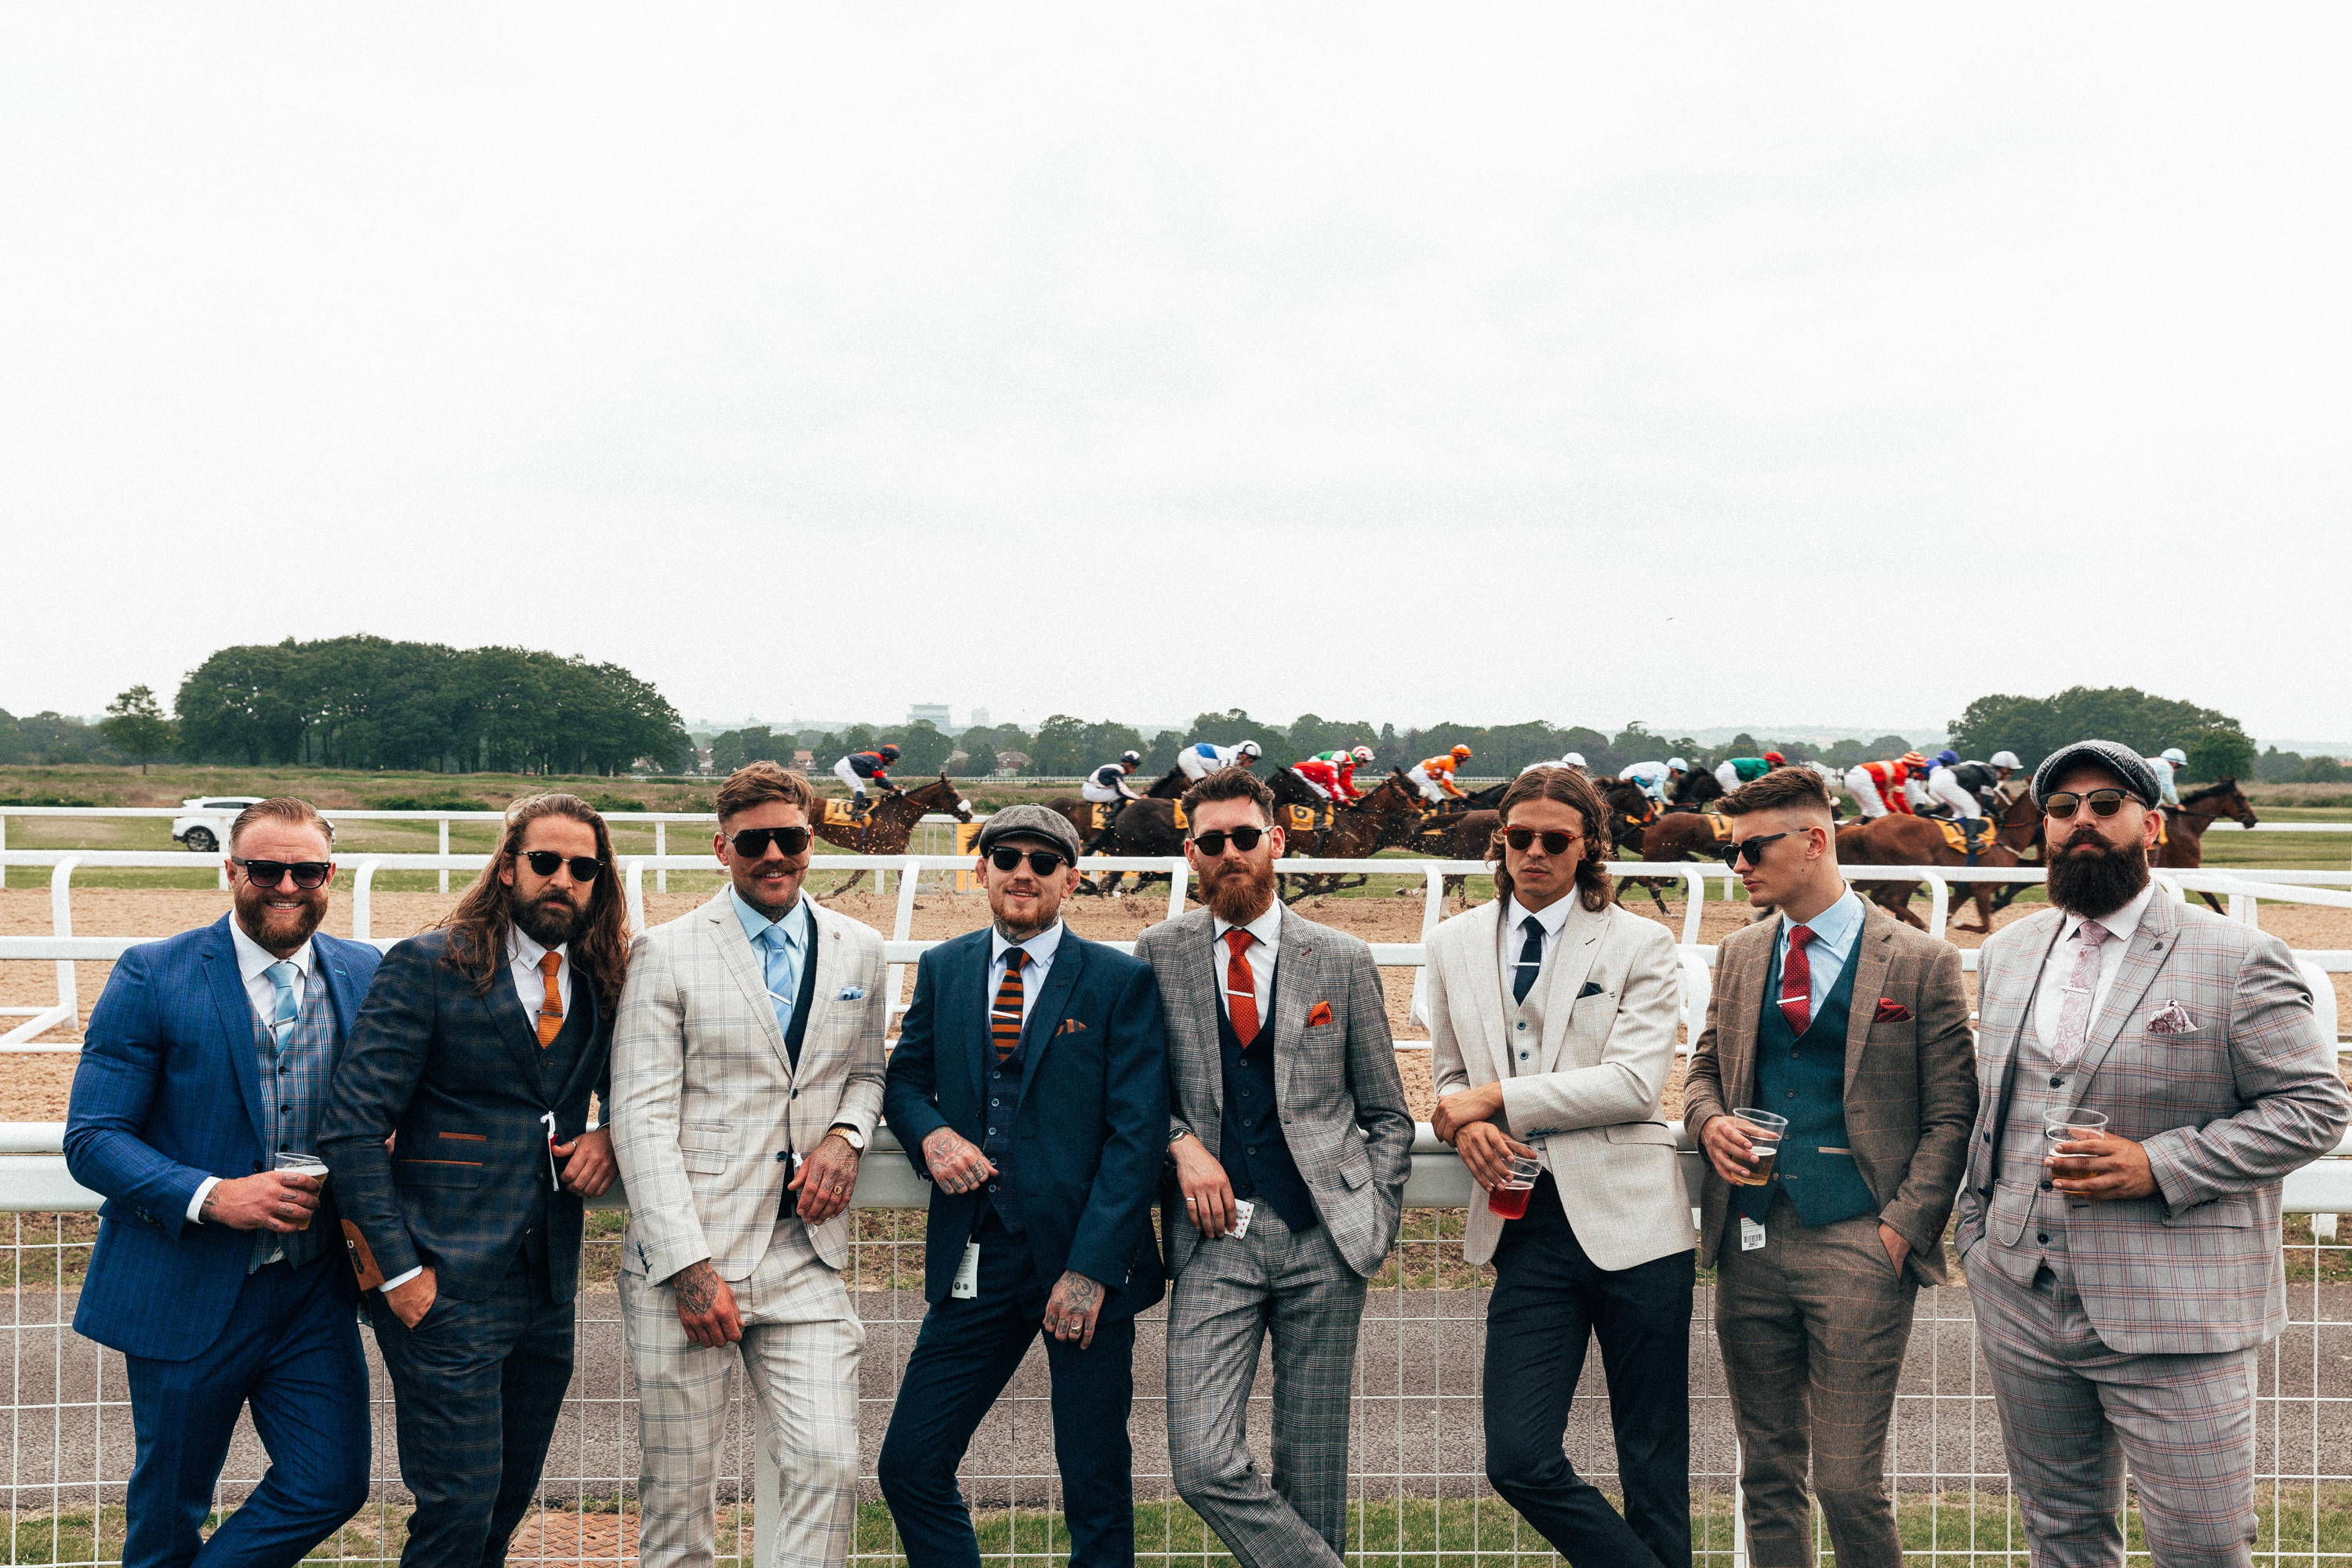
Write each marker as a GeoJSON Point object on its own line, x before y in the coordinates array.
{"type": "Point", "coordinates": [1189, 1202]}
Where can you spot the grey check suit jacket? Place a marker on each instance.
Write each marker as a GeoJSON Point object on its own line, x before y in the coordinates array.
{"type": "Point", "coordinates": [705, 1100]}
{"type": "Point", "coordinates": [1342, 1103]}
{"type": "Point", "coordinates": [2224, 1110]}
{"type": "Point", "coordinates": [1910, 1084]}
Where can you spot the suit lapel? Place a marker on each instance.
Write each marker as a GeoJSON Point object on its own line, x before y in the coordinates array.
{"type": "Point", "coordinates": [343, 993]}
{"type": "Point", "coordinates": [584, 1065]}
{"type": "Point", "coordinates": [1037, 1035]}
{"type": "Point", "coordinates": [828, 983]}
{"type": "Point", "coordinates": [969, 1004]}
{"type": "Point", "coordinates": [1741, 969]}
{"type": "Point", "coordinates": [515, 1026]}
{"type": "Point", "coordinates": [1571, 962]}
{"type": "Point", "coordinates": [1476, 977]}
{"type": "Point", "coordinates": [2150, 944]}
{"type": "Point", "coordinates": [1197, 983]}
{"type": "Point", "coordinates": [1873, 954]}
{"type": "Point", "coordinates": [1297, 986]}
{"type": "Point", "coordinates": [238, 1023]}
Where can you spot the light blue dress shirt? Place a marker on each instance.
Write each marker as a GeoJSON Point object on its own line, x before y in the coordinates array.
{"type": "Point", "coordinates": [1835, 931]}
{"type": "Point", "coordinates": [780, 962]}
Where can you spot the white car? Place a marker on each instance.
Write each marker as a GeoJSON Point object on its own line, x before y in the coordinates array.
{"type": "Point", "coordinates": [202, 824]}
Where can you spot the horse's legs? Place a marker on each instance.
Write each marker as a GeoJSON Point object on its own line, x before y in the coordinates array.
{"type": "Point", "coordinates": [855, 878]}
{"type": "Point", "coordinates": [1982, 895]}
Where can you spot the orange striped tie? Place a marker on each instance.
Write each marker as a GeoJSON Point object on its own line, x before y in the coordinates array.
{"type": "Point", "coordinates": [550, 1011]}
{"type": "Point", "coordinates": [1241, 986]}
{"type": "Point", "coordinates": [1004, 1018]}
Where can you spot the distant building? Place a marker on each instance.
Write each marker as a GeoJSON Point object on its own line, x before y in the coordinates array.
{"type": "Point", "coordinates": [980, 718]}
{"type": "Point", "coordinates": [936, 712]}
{"type": "Point", "coordinates": [1010, 765]}
{"type": "Point", "coordinates": [804, 759]}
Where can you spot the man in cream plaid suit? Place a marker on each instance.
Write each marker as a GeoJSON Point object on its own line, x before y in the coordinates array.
{"type": "Point", "coordinates": [2124, 1277]}
{"type": "Point", "coordinates": [747, 1078]}
{"type": "Point", "coordinates": [1285, 1106]}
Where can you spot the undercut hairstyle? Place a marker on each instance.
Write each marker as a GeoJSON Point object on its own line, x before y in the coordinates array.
{"type": "Point", "coordinates": [281, 809]}
{"type": "Point", "coordinates": [1795, 788]}
{"type": "Point", "coordinates": [757, 783]}
{"type": "Point", "coordinates": [478, 927]}
{"type": "Point", "coordinates": [1594, 887]}
{"type": "Point", "coordinates": [1230, 783]}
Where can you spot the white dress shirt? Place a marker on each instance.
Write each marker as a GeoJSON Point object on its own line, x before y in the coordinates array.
{"type": "Point", "coordinates": [1260, 955]}
{"type": "Point", "coordinates": [2050, 997]}
{"type": "Point", "coordinates": [253, 961]}
{"type": "Point", "coordinates": [522, 961]}
{"type": "Point", "coordinates": [1040, 948]}
{"type": "Point", "coordinates": [1514, 936]}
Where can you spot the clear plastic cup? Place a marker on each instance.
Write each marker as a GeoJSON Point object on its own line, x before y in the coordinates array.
{"type": "Point", "coordinates": [2070, 1125]}
{"type": "Point", "coordinates": [1762, 1144]}
{"type": "Point", "coordinates": [303, 1164]}
{"type": "Point", "coordinates": [1511, 1200]}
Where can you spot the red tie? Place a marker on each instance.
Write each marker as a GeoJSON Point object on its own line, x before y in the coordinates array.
{"type": "Point", "coordinates": [1241, 987]}
{"type": "Point", "coordinates": [1797, 982]}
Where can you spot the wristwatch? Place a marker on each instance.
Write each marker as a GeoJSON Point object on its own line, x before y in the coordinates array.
{"type": "Point", "coordinates": [847, 1134]}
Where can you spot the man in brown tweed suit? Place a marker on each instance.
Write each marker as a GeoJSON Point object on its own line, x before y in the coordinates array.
{"type": "Point", "coordinates": [2124, 1279]}
{"type": "Point", "coordinates": [1854, 1028]}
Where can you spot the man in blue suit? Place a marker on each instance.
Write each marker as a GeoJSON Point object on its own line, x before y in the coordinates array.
{"type": "Point", "coordinates": [219, 1276]}
{"type": "Point", "coordinates": [1029, 1087]}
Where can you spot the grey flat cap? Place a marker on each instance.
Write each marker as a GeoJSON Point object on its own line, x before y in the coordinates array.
{"type": "Point", "coordinates": [2129, 766]}
{"type": "Point", "coordinates": [1031, 821]}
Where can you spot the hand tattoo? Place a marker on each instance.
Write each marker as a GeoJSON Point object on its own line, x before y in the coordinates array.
{"type": "Point", "coordinates": [697, 1285]}
{"type": "Point", "coordinates": [1079, 1294]}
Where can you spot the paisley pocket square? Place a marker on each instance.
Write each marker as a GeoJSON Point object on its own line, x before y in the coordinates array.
{"type": "Point", "coordinates": [2171, 1019]}
{"type": "Point", "coordinates": [1318, 1014]}
{"type": "Point", "coordinates": [852, 993]}
{"type": "Point", "coordinates": [1890, 1011]}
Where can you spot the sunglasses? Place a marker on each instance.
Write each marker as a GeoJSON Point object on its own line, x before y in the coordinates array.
{"type": "Point", "coordinates": [753, 842]}
{"type": "Point", "coordinates": [1554, 842]}
{"type": "Point", "coordinates": [2102, 801]}
{"type": "Point", "coordinates": [543, 862]}
{"type": "Point", "coordinates": [1211, 844]}
{"type": "Point", "coordinates": [307, 874]}
{"type": "Point", "coordinates": [1044, 862]}
{"type": "Point", "coordinates": [1751, 849]}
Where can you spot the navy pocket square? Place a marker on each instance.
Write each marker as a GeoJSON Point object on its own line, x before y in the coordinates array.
{"type": "Point", "coordinates": [1592, 988]}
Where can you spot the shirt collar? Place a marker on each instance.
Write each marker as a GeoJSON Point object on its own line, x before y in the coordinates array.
{"type": "Point", "coordinates": [1551, 916]}
{"type": "Point", "coordinates": [252, 958]}
{"type": "Point", "coordinates": [1266, 928]}
{"type": "Point", "coordinates": [524, 949]}
{"type": "Point", "coordinates": [1040, 948]}
{"type": "Point", "coordinates": [755, 924]}
{"type": "Point", "coordinates": [1834, 928]}
{"type": "Point", "coordinates": [2121, 924]}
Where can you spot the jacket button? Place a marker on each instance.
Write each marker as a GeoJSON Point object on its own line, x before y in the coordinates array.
{"type": "Point", "coordinates": [257, 1167]}
{"type": "Point", "coordinates": [2043, 1236]}
{"type": "Point", "coordinates": [779, 1154]}
{"type": "Point", "coordinates": [2046, 1188]}
{"type": "Point", "coordinates": [2057, 1082]}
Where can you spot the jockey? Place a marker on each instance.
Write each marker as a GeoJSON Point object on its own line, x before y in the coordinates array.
{"type": "Point", "coordinates": [1573, 762]}
{"type": "Point", "coordinates": [1983, 780]}
{"type": "Point", "coordinates": [1108, 782]}
{"type": "Point", "coordinates": [1733, 771]}
{"type": "Point", "coordinates": [1334, 772]}
{"type": "Point", "coordinates": [861, 768]}
{"type": "Point", "coordinates": [1201, 759]}
{"type": "Point", "coordinates": [2164, 766]}
{"type": "Point", "coordinates": [1652, 777]}
{"type": "Point", "coordinates": [1433, 776]}
{"type": "Point", "coordinates": [1889, 786]}
{"type": "Point", "coordinates": [1945, 788]}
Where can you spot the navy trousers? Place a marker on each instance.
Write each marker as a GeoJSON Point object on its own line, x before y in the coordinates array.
{"type": "Point", "coordinates": [477, 1386]}
{"type": "Point", "coordinates": [290, 1350]}
{"type": "Point", "coordinates": [965, 1354]}
{"type": "Point", "coordinates": [1549, 1302]}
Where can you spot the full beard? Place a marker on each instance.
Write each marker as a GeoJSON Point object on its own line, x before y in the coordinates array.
{"type": "Point", "coordinates": [1239, 894]}
{"type": "Point", "coordinates": [280, 931]}
{"type": "Point", "coordinates": [549, 922]}
{"type": "Point", "coordinates": [2092, 878]}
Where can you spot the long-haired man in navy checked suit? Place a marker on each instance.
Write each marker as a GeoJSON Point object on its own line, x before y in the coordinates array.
{"type": "Point", "coordinates": [219, 1276]}
{"type": "Point", "coordinates": [477, 1045]}
{"type": "Point", "coordinates": [1029, 1087]}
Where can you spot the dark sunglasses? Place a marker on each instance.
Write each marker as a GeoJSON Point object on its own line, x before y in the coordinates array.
{"type": "Point", "coordinates": [543, 862]}
{"type": "Point", "coordinates": [1212, 843]}
{"type": "Point", "coordinates": [1554, 842]}
{"type": "Point", "coordinates": [307, 874]}
{"type": "Point", "coordinates": [2102, 801]}
{"type": "Point", "coordinates": [753, 842]}
{"type": "Point", "coordinates": [1044, 862]}
{"type": "Point", "coordinates": [1753, 849]}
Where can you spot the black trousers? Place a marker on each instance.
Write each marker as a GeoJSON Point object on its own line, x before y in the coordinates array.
{"type": "Point", "coordinates": [965, 1354]}
{"type": "Point", "coordinates": [1549, 1300]}
{"type": "Point", "coordinates": [477, 1386]}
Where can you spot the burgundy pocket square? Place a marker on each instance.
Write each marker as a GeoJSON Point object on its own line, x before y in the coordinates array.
{"type": "Point", "coordinates": [1890, 1011]}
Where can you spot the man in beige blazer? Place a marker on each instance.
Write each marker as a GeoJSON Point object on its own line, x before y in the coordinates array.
{"type": "Point", "coordinates": [1854, 1028]}
{"type": "Point", "coordinates": [1552, 1016]}
{"type": "Point", "coordinates": [747, 1078]}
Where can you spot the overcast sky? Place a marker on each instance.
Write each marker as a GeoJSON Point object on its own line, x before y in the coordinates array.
{"type": "Point", "coordinates": [1703, 366]}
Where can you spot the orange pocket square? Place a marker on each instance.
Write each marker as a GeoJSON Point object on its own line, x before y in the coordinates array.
{"type": "Point", "coordinates": [1070, 1026]}
{"type": "Point", "coordinates": [1318, 1014]}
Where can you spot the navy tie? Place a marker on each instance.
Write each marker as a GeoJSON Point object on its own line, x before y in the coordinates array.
{"type": "Point", "coordinates": [1530, 960]}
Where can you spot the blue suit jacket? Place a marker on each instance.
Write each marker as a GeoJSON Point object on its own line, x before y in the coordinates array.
{"type": "Point", "coordinates": [1091, 1135]}
{"type": "Point", "coordinates": [169, 1092]}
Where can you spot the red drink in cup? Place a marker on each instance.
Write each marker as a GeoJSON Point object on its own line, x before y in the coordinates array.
{"type": "Point", "coordinates": [1509, 1201]}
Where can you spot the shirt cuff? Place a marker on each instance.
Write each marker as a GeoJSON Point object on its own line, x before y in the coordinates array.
{"type": "Point", "coordinates": [397, 1280]}
{"type": "Point", "coordinates": [196, 1204]}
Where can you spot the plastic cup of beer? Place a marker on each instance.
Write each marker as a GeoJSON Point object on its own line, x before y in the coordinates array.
{"type": "Point", "coordinates": [303, 1164]}
{"type": "Point", "coordinates": [1762, 1143]}
{"type": "Point", "coordinates": [1509, 1201]}
{"type": "Point", "coordinates": [2071, 1125]}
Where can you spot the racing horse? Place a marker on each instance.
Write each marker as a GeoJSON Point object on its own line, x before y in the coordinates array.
{"type": "Point", "coordinates": [1896, 839]}
{"type": "Point", "coordinates": [1470, 834]}
{"type": "Point", "coordinates": [1386, 814]}
{"type": "Point", "coordinates": [888, 824]}
{"type": "Point", "coordinates": [1144, 827]}
{"type": "Point", "coordinates": [2183, 849]}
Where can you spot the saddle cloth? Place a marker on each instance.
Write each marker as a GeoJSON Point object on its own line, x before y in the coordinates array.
{"type": "Point", "coordinates": [838, 812]}
{"type": "Point", "coordinates": [1969, 835]}
{"type": "Point", "coordinates": [1307, 818]}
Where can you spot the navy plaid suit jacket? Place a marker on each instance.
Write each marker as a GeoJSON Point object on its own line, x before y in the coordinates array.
{"type": "Point", "coordinates": [168, 1092]}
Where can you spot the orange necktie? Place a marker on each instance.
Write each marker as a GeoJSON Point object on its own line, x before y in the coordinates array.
{"type": "Point", "coordinates": [550, 1011]}
{"type": "Point", "coordinates": [1241, 986]}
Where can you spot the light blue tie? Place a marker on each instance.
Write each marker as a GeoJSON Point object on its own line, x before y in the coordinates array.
{"type": "Point", "coordinates": [783, 984]}
{"type": "Point", "coordinates": [281, 1016]}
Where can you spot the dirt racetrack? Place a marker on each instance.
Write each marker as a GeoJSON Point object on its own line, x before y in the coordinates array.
{"type": "Point", "coordinates": [34, 1087]}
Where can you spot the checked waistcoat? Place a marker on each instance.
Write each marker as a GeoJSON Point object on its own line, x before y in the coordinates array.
{"type": "Point", "coordinates": [294, 1083]}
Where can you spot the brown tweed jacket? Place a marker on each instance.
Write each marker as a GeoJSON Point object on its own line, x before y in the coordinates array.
{"type": "Point", "coordinates": [1910, 1084]}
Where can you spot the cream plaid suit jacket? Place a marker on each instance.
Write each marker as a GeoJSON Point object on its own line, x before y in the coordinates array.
{"type": "Point", "coordinates": [705, 1100]}
{"type": "Point", "coordinates": [2225, 1109]}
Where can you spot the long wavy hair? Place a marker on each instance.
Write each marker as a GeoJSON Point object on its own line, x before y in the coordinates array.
{"type": "Point", "coordinates": [1594, 887]}
{"type": "Point", "coordinates": [478, 927]}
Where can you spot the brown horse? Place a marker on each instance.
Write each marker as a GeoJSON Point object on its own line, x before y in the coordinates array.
{"type": "Point", "coordinates": [1143, 827]}
{"type": "Point", "coordinates": [2183, 849]}
{"type": "Point", "coordinates": [1896, 839]}
{"type": "Point", "coordinates": [890, 823]}
{"type": "Point", "coordinates": [1386, 814]}
{"type": "Point", "coordinates": [1171, 785]}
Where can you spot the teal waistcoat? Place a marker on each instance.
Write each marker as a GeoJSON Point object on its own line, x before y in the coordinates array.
{"type": "Point", "coordinates": [1803, 1078]}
